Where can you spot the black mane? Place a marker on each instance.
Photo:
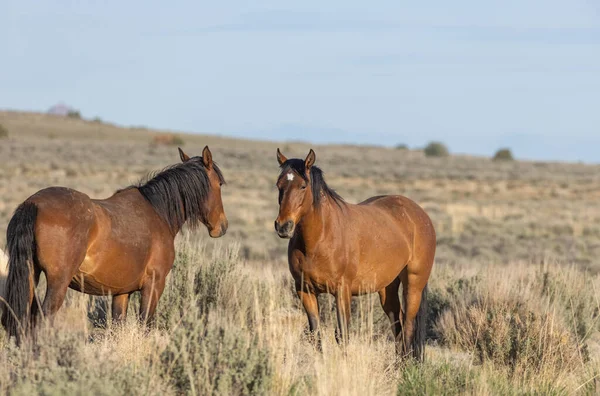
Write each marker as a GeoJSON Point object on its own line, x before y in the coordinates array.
{"type": "Point", "coordinates": [178, 192]}
{"type": "Point", "coordinates": [317, 181]}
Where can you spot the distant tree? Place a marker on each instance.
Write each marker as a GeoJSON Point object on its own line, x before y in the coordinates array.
{"type": "Point", "coordinates": [436, 149]}
{"type": "Point", "coordinates": [402, 146]}
{"type": "Point", "coordinates": [74, 114]}
{"type": "Point", "coordinates": [97, 120]}
{"type": "Point", "coordinates": [3, 132]}
{"type": "Point", "coordinates": [504, 154]}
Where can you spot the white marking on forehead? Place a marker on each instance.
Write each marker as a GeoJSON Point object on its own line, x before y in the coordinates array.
{"type": "Point", "coordinates": [290, 176]}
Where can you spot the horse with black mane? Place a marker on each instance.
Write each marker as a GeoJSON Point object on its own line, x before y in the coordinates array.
{"type": "Point", "coordinates": [114, 246]}
{"type": "Point", "coordinates": [346, 250]}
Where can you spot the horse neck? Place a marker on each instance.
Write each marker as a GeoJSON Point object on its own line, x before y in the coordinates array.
{"type": "Point", "coordinates": [316, 222]}
{"type": "Point", "coordinates": [176, 228]}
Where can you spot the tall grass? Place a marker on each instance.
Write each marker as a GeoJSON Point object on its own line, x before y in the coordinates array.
{"type": "Point", "coordinates": [226, 326]}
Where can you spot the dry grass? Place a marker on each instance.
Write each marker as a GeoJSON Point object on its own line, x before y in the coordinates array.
{"type": "Point", "coordinates": [230, 323]}
{"type": "Point", "coordinates": [227, 327]}
{"type": "Point", "coordinates": [533, 322]}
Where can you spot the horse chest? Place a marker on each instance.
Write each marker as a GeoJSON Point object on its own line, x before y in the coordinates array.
{"type": "Point", "coordinates": [319, 272]}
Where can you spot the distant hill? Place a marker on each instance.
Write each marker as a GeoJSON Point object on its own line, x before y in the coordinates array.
{"type": "Point", "coordinates": [35, 125]}
{"type": "Point", "coordinates": [60, 109]}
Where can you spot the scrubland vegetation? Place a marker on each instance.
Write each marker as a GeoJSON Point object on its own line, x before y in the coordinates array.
{"type": "Point", "coordinates": [514, 295]}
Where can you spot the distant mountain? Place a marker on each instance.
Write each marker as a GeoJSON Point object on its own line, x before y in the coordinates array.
{"type": "Point", "coordinates": [60, 109]}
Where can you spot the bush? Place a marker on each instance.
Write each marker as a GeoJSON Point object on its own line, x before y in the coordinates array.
{"type": "Point", "coordinates": [436, 149]}
{"type": "Point", "coordinates": [196, 281]}
{"type": "Point", "coordinates": [503, 155]}
{"type": "Point", "coordinates": [435, 379]}
{"type": "Point", "coordinates": [510, 334]}
{"type": "Point", "coordinates": [402, 146]}
{"type": "Point", "coordinates": [444, 376]}
{"type": "Point", "coordinates": [74, 114]}
{"type": "Point", "coordinates": [62, 363]}
{"type": "Point", "coordinates": [210, 358]}
{"type": "Point", "coordinates": [530, 331]}
{"type": "Point", "coordinates": [3, 132]}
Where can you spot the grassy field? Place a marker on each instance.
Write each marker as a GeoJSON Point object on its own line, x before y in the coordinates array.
{"type": "Point", "coordinates": [514, 299]}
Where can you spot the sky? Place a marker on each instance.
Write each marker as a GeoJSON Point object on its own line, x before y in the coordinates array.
{"type": "Point", "coordinates": [476, 75]}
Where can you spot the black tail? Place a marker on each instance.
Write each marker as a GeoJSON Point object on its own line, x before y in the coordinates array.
{"type": "Point", "coordinates": [418, 342]}
{"type": "Point", "coordinates": [21, 250]}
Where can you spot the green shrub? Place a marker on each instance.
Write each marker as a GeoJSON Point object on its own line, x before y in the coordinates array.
{"type": "Point", "coordinates": [575, 295]}
{"type": "Point", "coordinates": [3, 132]}
{"type": "Point", "coordinates": [517, 331]}
{"type": "Point", "coordinates": [177, 141]}
{"type": "Point", "coordinates": [197, 280]}
{"type": "Point", "coordinates": [436, 379]}
{"type": "Point", "coordinates": [402, 146]}
{"type": "Point", "coordinates": [436, 149]}
{"type": "Point", "coordinates": [448, 377]}
{"type": "Point", "coordinates": [439, 300]}
{"type": "Point", "coordinates": [74, 114]}
{"type": "Point", "coordinates": [209, 358]}
{"type": "Point", "coordinates": [62, 364]}
{"type": "Point", "coordinates": [503, 154]}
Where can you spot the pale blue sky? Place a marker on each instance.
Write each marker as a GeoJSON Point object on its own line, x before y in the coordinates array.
{"type": "Point", "coordinates": [475, 74]}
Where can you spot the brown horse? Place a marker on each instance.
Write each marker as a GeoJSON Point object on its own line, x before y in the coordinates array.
{"type": "Point", "coordinates": [348, 250]}
{"type": "Point", "coordinates": [114, 246]}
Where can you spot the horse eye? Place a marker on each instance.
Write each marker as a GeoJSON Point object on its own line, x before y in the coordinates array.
{"type": "Point", "coordinates": [303, 187]}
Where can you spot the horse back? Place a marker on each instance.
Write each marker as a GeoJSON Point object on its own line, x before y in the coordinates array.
{"type": "Point", "coordinates": [395, 231]}
{"type": "Point", "coordinates": [405, 212]}
{"type": "Point", "coordinates": [64, 208]}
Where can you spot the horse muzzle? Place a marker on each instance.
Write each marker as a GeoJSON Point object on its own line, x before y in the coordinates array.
{"type": "Point", "coordinates": [218, 232]}
{"type": "Point", "coordinates": [285, 230]}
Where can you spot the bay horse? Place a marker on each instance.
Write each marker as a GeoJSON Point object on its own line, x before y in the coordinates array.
{"type": "Point", "coordinates": [114, 246]}
{"type": "Point", "coordinates": [351, 249]}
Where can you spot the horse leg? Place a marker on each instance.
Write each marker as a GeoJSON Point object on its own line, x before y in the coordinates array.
{"type": "Point", "coordinates": [343, 298]}
{"type": "Point", "coordinates": [390, 302]}
{"type": "Point", "coordinates": [57, 285]}
{"type": "Point", "coordinates": [151, 292]}
{"type": "Point", "coordinates": [119, 308]}
{"type": "Point", "coordinates": [59, 267]}
{"type": "Point", "coordinates": [311, 307]}
{"type": "Point", "coordinates": [412, 289]}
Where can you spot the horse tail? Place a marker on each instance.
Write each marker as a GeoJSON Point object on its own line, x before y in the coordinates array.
{"type": "Point", "coordinates": [3, 275]}
{"type": "Point", "coordinates": [20, 288]}
{"type": "Point", "coordinates": [420, 329]}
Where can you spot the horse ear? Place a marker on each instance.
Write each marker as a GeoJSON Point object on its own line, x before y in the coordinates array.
{"type": "Point", "coordinates": [310, 159]}
{"type": "Point", "coordinates": [207, 158]}
{"type": "Point", "coordinates": [184, 157]}
{"type": "Point", "coordinates": [280, 157]}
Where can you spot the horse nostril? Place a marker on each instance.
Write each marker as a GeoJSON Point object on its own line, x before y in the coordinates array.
{"type": "Point", "coordinates": [276, 226]}
{"type": "Point", "coordinates": [287, 227]}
